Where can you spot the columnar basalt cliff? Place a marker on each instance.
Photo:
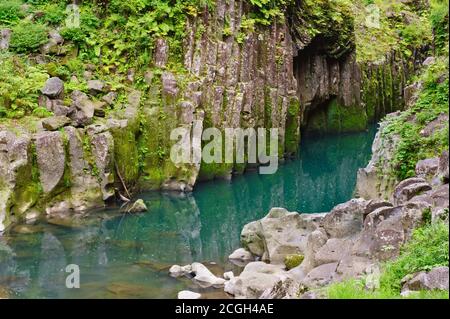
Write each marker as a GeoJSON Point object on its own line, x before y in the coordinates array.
{"type": "Point", "coordinates": [292, 74]}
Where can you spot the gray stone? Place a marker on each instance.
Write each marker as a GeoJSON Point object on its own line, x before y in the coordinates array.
{"type": "Point", "coordinates": [5, 37]}
{"type": "Point", "coordinates": [443, 167]}
{"type": "Point", "coordinates": [96, 86]}
{"type": "Point", "coordinates": [14, 158]}
{"type": "Point", "coordinates": [161, 52]}
{"type": "Point", "coordinates": [435, 279]}
{"type": "Point", "coordinates": [84, 109]}
{"type": "Point", "coordinates": [110, 98]}
{"type": "Point", "coordinates": [427, 168]}
{"type": "Point", "coordinates": [255, 279]}
{"type": "Point", "coordinates": [51, 159]}
{"type": "Point", "coordinates": [429, 60]}
{"type": "Point", "coordinates": [320, 276]}
{"type": "Point", "coordinates": [345, 219]}
{"type": "Point", "coordinates": [278, 234]}
{"type": "Point", "coordinates": [54, 123]}
{"type": "Point", "coordinates": [54, 88]}
{"type": "Point", "coordinates": [409, 188]}
{"type": "Point", "coordinates": [204, 277]}
{"type": "Point", "coordinates": [169, 83]}
{"type": "Point", "coordinates": [137, 207]}
{"type": "Point", "coordinates": [334, 250]}
{"type": "Point", "coordinates": [53, 34]}
{"type": "Point", "coordinates": [241, 254]}
{"type": "Point", "coordinates": [283, 289]}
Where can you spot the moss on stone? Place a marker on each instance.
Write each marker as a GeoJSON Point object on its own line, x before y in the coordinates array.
{"type": "Point", "coordinates": [292, 261]}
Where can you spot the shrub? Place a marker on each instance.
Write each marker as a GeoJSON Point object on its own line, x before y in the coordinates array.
{"type": "Point", "coordinates": [427, 249]}
{"type": "Point", "coordinates": [28, 37]}
{"type": "Point", "coordinates": [19, 86]}
{"type": "Point", "coordinates": [10, 11]}
{"type": "Point", "coordinates": [76, 35]}
{"type": "Point", "coordinates": [53, 14]}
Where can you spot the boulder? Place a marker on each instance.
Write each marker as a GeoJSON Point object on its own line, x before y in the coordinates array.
{"type": "Point", "coordinates": [59, 109]}
{"type": "Point", "coordinates": [186, 294]}
{"type": "Point", "coordinates": [169, 83]}
{"type": "Point", "coordinates": [110, 98]}
{"type": "Point", "coordinates": [5, 37]}
{"type": "Point", "coordinates": [228, 275]}
{"type": "Point", "coordinates": [435, 279]}
{"type": "Point", "coordinates": [408, 188]}
{"type": "Point", "coordinates": [84, 109]}
{"type": "Point", "coordinates": [283, 289]}
{"type": "Point", "coordinates": [334, 250]}
{"type": "Point", "coordinates": [51, 159]}
{"type": "Point", "coordinates": [14, 160]}
{"type": "Point", "coordinates": [137, 207]}
{"type": "Point", "coordinates": [278, 234]}
{"type": "Point", "coordinates": [54, 88]}
{"type": "Point", "coordinates": [178, 271]}
{"type": "Point", "coordinates": [320, 276]}
{"type": "Point", "coordinates": [256, 278]}
{"type": "Point", "coordinates": [161, 53]}
{"type": "Point", "coordinates": [54, 35]}
{"type": "Point", "coordinates": [427, 168]}
{"type": "Point", "coordinates": [241, 256]}
{"type": "Point", "coordinates": [443, 168]}
{"type": "Point", "coordinates": [54, 123]}
{"type": "Point", "coordinates": [204, 277]}
{"type": "Point", "coordinates": [96, 86]}
{"type": "Point", "coordinates": [346, 219]}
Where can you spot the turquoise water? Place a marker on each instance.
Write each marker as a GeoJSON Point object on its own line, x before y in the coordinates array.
{"type": "Point", "coordinates": [127, 256]}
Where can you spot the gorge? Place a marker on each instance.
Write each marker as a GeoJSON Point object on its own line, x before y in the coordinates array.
{"type": "Point", "coordinates": [86, 114]}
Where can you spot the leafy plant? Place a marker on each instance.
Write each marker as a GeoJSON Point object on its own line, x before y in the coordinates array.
{"type": "Point", "coordinates": [27, 37]}
{"type": "Point", "coordinates": [10, 11]}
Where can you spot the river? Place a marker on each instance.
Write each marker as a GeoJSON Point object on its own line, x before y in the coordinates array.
{"type": "Point", "coordinates": [127, 256]}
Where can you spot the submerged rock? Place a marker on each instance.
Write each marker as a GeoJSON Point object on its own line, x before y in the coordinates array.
{"type": "Point", "coordinates": [137, 207]}
{"type": "Point", "coordinates": [241, 255]}
{"type": "Point", "coordinates": [5, 37]}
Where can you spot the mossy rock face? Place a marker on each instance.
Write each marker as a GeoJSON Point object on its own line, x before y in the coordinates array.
{"type": "Point", "coordinates": [292, 261]}
{"type": "Point", "coordinates": [333, 117]}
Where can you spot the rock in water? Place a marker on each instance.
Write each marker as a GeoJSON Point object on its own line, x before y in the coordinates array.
{"type": "Point", "coordinates": [241, 254]}
{"type": "Point", "coordinates": [54, 88]}
{"type": "Point", "coordinates": [186, 294]}
{"type": "Point", "coordinates": [138, 207]}
{"type": "Point", "coordinates": [205, 277]}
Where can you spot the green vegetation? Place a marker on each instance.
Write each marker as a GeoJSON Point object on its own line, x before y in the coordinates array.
{"type": "Point", "coordinates": [28, 37]}
{"type": "Point", "coordinates": [20, 85]}
{"type": "Point", "coordinates": [292, 261]}
{"type": "Point", "coordinates": [10, 11]}
{"type": "Point", "coordinates": [427, 249]}
{"type": "Point", "coordinates": [432, 102]}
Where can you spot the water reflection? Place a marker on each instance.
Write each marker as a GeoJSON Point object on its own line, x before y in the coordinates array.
{"type": "Point", "coordinates": [124, 256]}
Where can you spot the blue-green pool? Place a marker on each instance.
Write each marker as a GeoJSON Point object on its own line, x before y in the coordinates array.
{"type": "Point", "coordinates": [128, 256]}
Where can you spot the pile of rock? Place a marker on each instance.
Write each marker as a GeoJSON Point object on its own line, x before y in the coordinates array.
{"type": "Point", "coordinates": [81, 111]}
{"type": "Point", "coordinates": [348, 242]}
